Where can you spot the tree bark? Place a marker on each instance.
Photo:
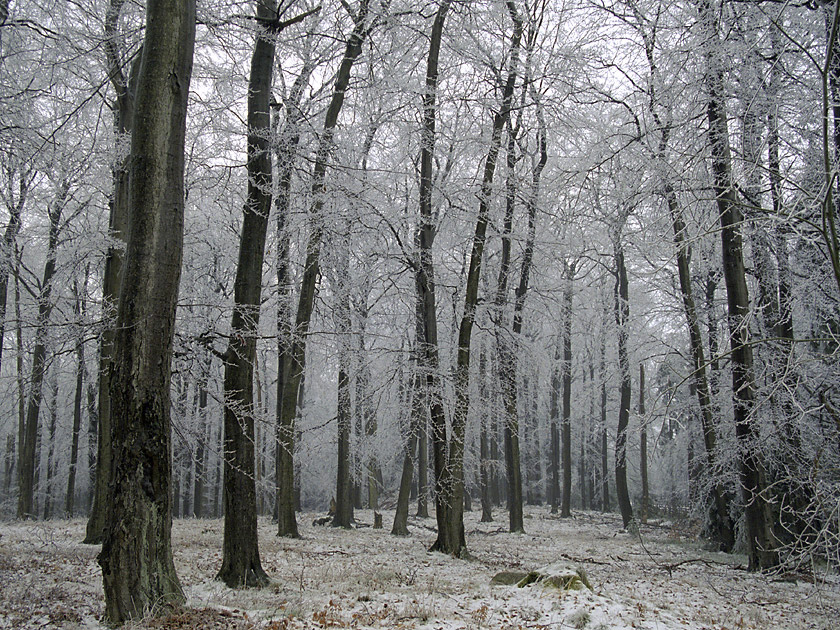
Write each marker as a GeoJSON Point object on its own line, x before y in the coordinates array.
{"type": "Point", "coordinates": [136, 559]}
{"type": "Point", "coordinates": [643, 454]}
{"type": "Point", "coordinates": [622, 314]}
{"type": "Point", "coordinates": [605, 472]}
{"type": "Point", "coordinates": [286, 156]}
{"type": "Point", "coordinates": [286, 521]}
{"type": "Point", "coordinates": [759, 524]}
{"type": "Point", "coordinates": [569, 273]}
{"type": "Point", "coordinates": [118, 226]}
{"type": "Point", "coordinates": [26, 507]}
{"type": "Point", "coordinates": [70, 496]}
{"type": "Point", "coordinates": [241, 565]}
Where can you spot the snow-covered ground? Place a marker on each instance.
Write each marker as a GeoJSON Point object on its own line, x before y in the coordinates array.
{"type": "Point", "coordinates": [366, 578]}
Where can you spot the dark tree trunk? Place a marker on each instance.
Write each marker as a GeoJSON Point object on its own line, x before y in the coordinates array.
{"type": "Point", "coordinates": [70, 496]}
{"type": "Point", "coordinates": [343, 500]}
{"type": "Point", "coordinates": [484, 445]}
{"type": "Point", "coordinates": [643, 454]}
{"type": "Point", "coordinates": [565, 507]}
{"type": "Point", "coordinates": [15, 209]}
{"type": "Point", "coordinates": [286, 503]}
{"type": "Point", "coordinates": [136, 559]}
{"type": "Point", "coordinates": [52, 407]}
{"type": "Point", "coordinates": [721, 527]}
{"type": "Point", "coordinates": [118, 226]}
{"type": "Point", "coordinates": [554, 431]}
{"type": "Point", "coordinates": [286, 155]}
{"type": "Point", "coordinates": [241, 565]}
{"type": "Point", "coordinates": [759, 521]}
{"type": "Point", "coordinates": [622, 314]}
{"type": "Point", "coordinates": [447, 540]}
{"type": "Point", "coordinates": [605, 471]}
{"type": "Point", "coordinates": [27, 465]}
{"type": "Point", "coordinates": [199, 510]}
{"type": "Point", "coordinates": [423, 464]}
{"type": "Point", "coordinates": [416, 411]}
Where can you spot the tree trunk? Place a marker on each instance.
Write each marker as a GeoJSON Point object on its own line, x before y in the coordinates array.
{"type": "Point", "coordinates": [286, 156]}
{"type": "Point", "coordinates": [136, 559]}
{"type": "Point", "coordinates": [484, 446]}
{"type": "Point", "coordinates": [622, 314]}
{"type": "Point", "coordinates": [27, 465]}
{"type": "Point", "coordinates": [605, 472]}
{"type": "Point", "coordinates": [286, 521]}
{"type": "Point", "coordinates": [721, 526]}
{"type": "Point", "coordinates": [759, 524]}
{"type": "Point", "coordinates": [417, 410]}
{"type": "Point", "coordinates": [554, 431]}
{"type": "Point", "coordinates": [118, 223]}
{"type": "Point", "coordinates": [70, 496]}
{"type": "Point", "coordinates": [643, 454]}
{"type": "Point", "coordinates": [201, 447]}
{"type": "Point", "coordinates": [343, 500]}
{"type": "Point", "coordinates": [447, 540]}
{"type": "Point", "coordinates": [565, 507]}
{"type": "Point", "coordinates": [241, 565]}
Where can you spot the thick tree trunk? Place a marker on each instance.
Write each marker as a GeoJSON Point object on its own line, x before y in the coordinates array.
{"type": "Point", "coordinates": [136, 559]}
{"type": "Point", "coordinates": [622, 314]}
{"type": "Point", "coordinates": [118, 224]}
{"type": "Point", "coordinates": [241, 565]}
{"type": "Point", "coordinates": [759, 524]}
{"type": "Point", "coordinates": [286, 504]}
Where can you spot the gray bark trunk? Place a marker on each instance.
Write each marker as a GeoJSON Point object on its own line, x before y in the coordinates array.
{"type": "Point", "coordinates": [241, 564]}
{"type": "Point", "coordinates": [136, 559]}
{"type": "Point", "coordinates": [759, 524]}
{"type": "Point", "coordinates": [286, 521]}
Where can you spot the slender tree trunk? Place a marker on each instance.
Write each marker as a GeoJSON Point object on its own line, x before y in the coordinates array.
{"type": "Point", "coordinates": [70, 496]}
{"type": "Point", "coordinates": [447, 540]}
{"type": "Point", "coordinates": [136, 559]}
{"type": "Point", "coordinates": [484, 446]}
{"type": "Point", "coordinates": [622, 314]}
{"type": "Point", "coordinates": [643, 454]}
{"type": "Point", "coordinates": [423, 464]}
{"type": "Point", "coordinates": [554, 430]}
{"type": "Point", "coordinates": [343, 500]}
{"type": "Point", "coordinates": [52, 407]}
{"type": "Point", "coordinates": [241, 565]}
{"type": "Point", "coordinates": [605, 471]}
{"type": "Point", "coordinates": [565, 508]}
{"type": "Point", "coordinates": [199, 510]}
{"type": "Point", "coordinates": [721, 526]}
{"type": "Point", "coordinates": [27, 466]}
{"type": "Point", "coordinates": [286, 157]}
{"type": "Point", "coordinates": [416, 411]}
{"type": "Point", "coordinates": [759, 524]}
{"type": "Point", "coordinates": [286, 521]}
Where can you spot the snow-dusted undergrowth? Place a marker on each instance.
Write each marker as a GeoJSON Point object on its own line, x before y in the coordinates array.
{"type": "Point", "coordinates": [366, 578]}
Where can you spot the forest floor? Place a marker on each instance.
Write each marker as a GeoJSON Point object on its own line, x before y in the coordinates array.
{"type": "Point", "coordinates": [366, 578]}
